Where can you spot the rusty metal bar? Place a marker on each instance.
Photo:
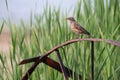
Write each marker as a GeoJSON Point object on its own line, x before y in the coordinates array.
{"type": "Point", "coordinates": [92, 61]}
{"type": "Point", "coordinates": [61, 65]}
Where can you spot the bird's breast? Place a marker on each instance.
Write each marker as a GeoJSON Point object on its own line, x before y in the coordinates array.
{"type": "Point", "coordinates": [72, 25]}
{"type": "Point", "coordinates": [75, 29]}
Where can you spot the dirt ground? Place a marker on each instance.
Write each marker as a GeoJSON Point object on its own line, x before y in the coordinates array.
{"type": "Point", "coordinates": [5, 40]}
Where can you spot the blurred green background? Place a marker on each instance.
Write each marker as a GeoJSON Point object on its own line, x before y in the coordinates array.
{"type": "Point", "coordinates": [50, 28]}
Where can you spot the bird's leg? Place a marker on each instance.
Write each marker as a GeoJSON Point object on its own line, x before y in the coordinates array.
{"type": "Point", "coordinates": [77, 36]}
{"type": "Point", "coordinates": [90, 36]}
{"type": "Point", "coordinates": [81, 36]}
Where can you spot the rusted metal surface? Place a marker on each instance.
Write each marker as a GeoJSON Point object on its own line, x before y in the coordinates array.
{"type": "Point", "coordinates": [92, 60]}
{"type": "Point", "coordinates": [56, 65]}
{"type": "Point", "coordinates": [61, 65]}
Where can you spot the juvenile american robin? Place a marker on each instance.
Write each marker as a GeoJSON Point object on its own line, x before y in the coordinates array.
{"type": "Point", "coordinates": [77, 28]}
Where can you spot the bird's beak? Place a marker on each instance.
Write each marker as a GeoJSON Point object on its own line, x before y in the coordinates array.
{"type": "Point", "coordinates": [67, 18]}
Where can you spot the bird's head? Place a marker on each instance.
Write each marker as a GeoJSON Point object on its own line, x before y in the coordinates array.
{"type": "Point", "coordinates": [71, 19]}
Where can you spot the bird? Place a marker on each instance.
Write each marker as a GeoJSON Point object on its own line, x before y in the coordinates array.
{"type": "Point", "coordinates": [76, 27]}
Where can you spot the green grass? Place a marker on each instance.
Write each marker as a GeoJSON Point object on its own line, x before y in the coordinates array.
{"type": "Point", "coordinates": [50, 29]}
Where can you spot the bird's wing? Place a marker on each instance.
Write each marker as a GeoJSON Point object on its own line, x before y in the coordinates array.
{"type": "Point", "coordinates": [78, 26]}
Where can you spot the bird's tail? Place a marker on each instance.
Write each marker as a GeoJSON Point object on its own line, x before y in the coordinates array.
{"type": "Point", "coordinates": [90, 36]}
{"type": "Point", "coordinates": [86, 32]}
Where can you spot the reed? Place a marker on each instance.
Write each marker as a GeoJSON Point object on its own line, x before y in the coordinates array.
{"type": "Point", "coordinates": [100, 17]}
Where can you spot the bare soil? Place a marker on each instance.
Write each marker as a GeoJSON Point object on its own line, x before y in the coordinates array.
{"type": "Point", "coordinates": [5, 40]}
